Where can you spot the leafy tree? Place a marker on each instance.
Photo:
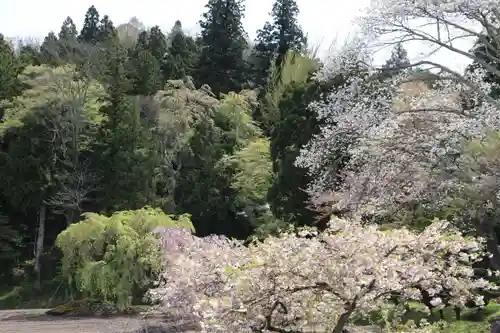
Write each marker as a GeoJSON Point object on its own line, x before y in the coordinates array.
{"type": "Point", "coordinates": [146, 58]}
{"type": "Point", "coordinates": [29, 55]}
{"type": "Point", "coordinates": [218, 129]}
{"type": "Point", "coordinates": [40, 139]}
{"type": "Point", "coordinates": [128, 32]}
{"type": "Point", "coordinates": [324, 280]}
{"type": "Point", "coordinates": [28, 171]}
{"type": "Point", "coordinates": [221, 64]}
{"type": "Point", "coordinates": [68, 49]}
{"type": "Point", "coordinates": [114, 257]}
{"type": "Point", "coordinates": [251, 181]}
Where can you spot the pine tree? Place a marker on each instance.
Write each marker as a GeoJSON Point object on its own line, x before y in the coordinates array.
{"type": "Point", "coordinates": [29, 55]}
{"type": "Point", "coordinates": [295, 128]}
{"type": "Point", "coordinates": [106, 30]}
{"type": "Point", "coordinates": [90, 31]}
{"type": "Point", "coordinates": [263, 54]}
{"type": "Point", "coordinates": [276, 39]}
{"type": "Point", "coordinates": [125, 150]}
{"type": "Point", "coordinates": [67, 46]}
{"type": "Point", "coordinates": [147, 75]}
{"type": "Point", "coordinates": [180, 59]}
{"type": "Point", "coordinates": [68, 30]}
{"type": "Point", "coordinates": [49, 50]}
{"type": "Point", "coordinates": [486, 48]}
{"type": "Point", "coordinates": [223, 42]}
{"type": "Point", "coordinates": [9, 69]}
{"type": "Point", "coordinates": [397, 62]}
{"type": "Point", "coordinates": [157, 43]}
{"type": "Point", "coordinates": [142, 41]}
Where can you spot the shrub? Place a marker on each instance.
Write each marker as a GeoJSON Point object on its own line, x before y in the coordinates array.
{"type": "Point", "coordinates": [305, 279]}
{"type": "Point", "coordinates": [108, 258]}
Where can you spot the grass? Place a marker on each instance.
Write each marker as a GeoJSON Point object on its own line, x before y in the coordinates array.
{"type": "Point", "coordinates": [472, 321]}
{"type": "Point", "coordinates": [55, 297]}
{"type": "Point", "coordinates": [24, 296]}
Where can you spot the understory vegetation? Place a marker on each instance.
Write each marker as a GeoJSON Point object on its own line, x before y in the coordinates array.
{"type": "Point", "coordinates": [250, 184]}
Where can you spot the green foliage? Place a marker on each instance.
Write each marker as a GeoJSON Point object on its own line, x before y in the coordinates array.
{"type": "Point", "coordinates": [182, 54]}
{"type": "Point", "coordinates": [9, 69]}
{"type": "Point", "coordinates": [253, 175]}
{"type": "Point", "coordinates": [221, 64]}
{"type": "Point", "coordinates": [294, 69]}
{"type": "Point", "coordinates": [291, 125]}
{"type": "Point", "coordinates": [275, 40]}
{"type": "Point", "coordinates": [90, 31]}
{"type": "Point", "coordinates": [110, 257]}
{"type": "Point", "coordinates": [11, 241]}
{"type": "Point", "coordinates": [45, 86]}
{"type": "Point", "coordinates": [146, 73]}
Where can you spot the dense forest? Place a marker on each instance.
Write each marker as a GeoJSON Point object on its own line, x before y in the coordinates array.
{"type": "Point", "coordinates": [110, 131]}
{"type": "Point", "coordinates": [110, 118]}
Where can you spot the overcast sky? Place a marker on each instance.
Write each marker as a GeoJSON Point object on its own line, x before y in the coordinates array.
{"type": "Point", "coordinates": [322, 20]}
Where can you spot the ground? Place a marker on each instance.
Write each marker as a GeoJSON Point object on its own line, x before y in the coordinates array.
{"type": "Point", "coordinates": [35, 321]}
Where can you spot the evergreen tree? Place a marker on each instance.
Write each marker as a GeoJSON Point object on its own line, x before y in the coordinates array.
{"type": "Point", "coordinates": [486, 48]}
{"type": "Point", "coordinates": [49, 50]}
{"type": "Point", "coordinates": [263, 53]}
{"type": "Point", "coordinates": [67, 46]}
{"type": "Point", "coordinates": [142, 41]}
{"type": "Point", "coordinates": [125, 150]}
{"type": "Point", "coordinates": [276, 39]}
{"type": "Point", "coordinates": [90, 31]}
{"type": "Point", "coordinates": [221, 63]}
{"type": "Point", "coordinates": [397, 62]}
{"type": "Point", "coordinates": [68, 30]}
{"type": "Point", "coordinates": [9, 69]}
{"type": "Point", "coordinates": [147, 76]}
{"type": "Point", "coordinates": [180, 59]}
{"type": "Point", "coordinates": [29, 55]}
{"type": "Point", "coordinates": [295, 128]}
{"type": "Point", "coordinates": [157, 43]}
{"type": "Point", "coordinates": [106, 30]}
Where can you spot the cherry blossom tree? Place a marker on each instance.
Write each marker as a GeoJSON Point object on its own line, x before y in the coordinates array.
{"type": "Point", "coordinates": [305, 279]}
{"type": "Point", "coordinates": [409, 144]}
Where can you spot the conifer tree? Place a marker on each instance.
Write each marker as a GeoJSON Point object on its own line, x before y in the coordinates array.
{"type": "Point", "coordinates": [223, 42]}
{"type": "Point", "coordinates": [90, 31]}
{"type": "Point", "coordinates": [277, 38]}
{"type": "Point", "coordinates": [180, 59]}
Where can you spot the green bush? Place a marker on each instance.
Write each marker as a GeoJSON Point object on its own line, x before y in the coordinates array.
{"type": "Point", "coordinates": [109, 258]}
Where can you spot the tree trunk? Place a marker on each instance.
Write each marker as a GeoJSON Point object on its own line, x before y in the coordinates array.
{"type": "Point", "coordinates": [39, 245]}
{"type": "Point", "coordinates": [344, 317]}
{"type": "Point", "coordinates": [486, 230]}
{"type": "Point", "coordinates": [492, 247]}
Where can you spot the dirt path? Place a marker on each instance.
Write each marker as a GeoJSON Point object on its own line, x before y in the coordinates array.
{"type": "Point", "coordinates": [34, 321]}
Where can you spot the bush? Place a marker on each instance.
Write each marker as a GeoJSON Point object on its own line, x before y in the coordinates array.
{"type": "Point", "coordinates": [108, 258]}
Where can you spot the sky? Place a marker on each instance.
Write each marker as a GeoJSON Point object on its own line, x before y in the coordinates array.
{"type": "Point", "coordinates": [324, 21]}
